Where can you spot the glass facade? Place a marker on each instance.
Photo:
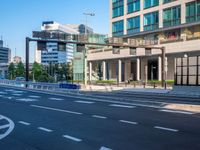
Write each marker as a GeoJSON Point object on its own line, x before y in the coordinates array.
{"type": "Point", "coordinates": [150, 3]}
{"type": "Point", "coordinates": [172, 16]}
{"type": "Point", "coordinates": [151, 21]}
{"type": "Point", "coordinates": [133, 6]}
{"type": "Point", "coordinates": [133, 25]}
{"type": "Point", "coordinates": [118, 8]}
{"type": "Point", "coordinates": [118, 28]}
{"type": "Point", "coordinates": [193, 11]}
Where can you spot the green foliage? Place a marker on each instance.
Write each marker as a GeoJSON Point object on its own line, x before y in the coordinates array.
{"type": "Point", "coordinates": [11, 71]}
{"type": "Point", "coordinates": [20, 70]}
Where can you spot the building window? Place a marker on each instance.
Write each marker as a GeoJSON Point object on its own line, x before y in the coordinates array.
{"type": "Point", "coordinates": [151, 21]}
{"type": "Point", "coordinates": [150, 3]}
{"type": "Point", "coordinates": [118, 28]}
{"type": "Point", "coordinates": [133, 25]}
{"type": "Point", "coordinates": [172, 16]}
{"type": "Point", "coordinates": [193, 11]}
{"type": "Point", "coordinates": [168, 1]}
{"type": "Point", "coordinates": [133, 6]}
{"type": "Point", "coordinates": [117, 8]}
{"type": "Point", "coordinates": [133, 51]}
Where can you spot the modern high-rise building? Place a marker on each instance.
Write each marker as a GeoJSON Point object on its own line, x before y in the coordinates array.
{"type": "Point", "coordinates": [5, 53]}
{"type": "Point", "coordinates": [5, 58]}
{"type": "Point", "coordinates": [52, 54]}
{"type": "Point", "coordinates": [81, 28]}
{"type": "Point", "coordinates": [173, 24]}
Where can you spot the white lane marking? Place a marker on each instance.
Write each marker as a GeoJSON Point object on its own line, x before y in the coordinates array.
{"type": "Point", "coordinates": [105, 148]}
{"type": "Point", "coordinates": [122, 106]}
{"type": "Point", "coordinates": [100, 117]}
{"type": "Point", "coordinates": [177, 111]}
{"type": "Point", "coordinates": [10, 127]}
{"type": "Point", "coordinates": [17, 94]}
{"type": "Point", "coordinates": [84, 102]}
{"type": "Point", "coordinates": [167, 129]}
{"type": "Point", "coordinates": [56, 99]}
{"type": "Point", "coordinates": [26, 100]}
{"type": "Point", "coordinates": [56, 109]}
{"type": "Point", "coordinates": [18, 91]}
{"type": "Point", "coordinates": [128, 122]}
{"type": "Point", "coordinates": [9, 90]}
{"type": "Point", "coordinates": [3, 92]}
{"type": "Point", "coordinates": [72, 138]}
{"type": "Point", "coordinates": [4, 126]}
{"type": "Point", "coordinates": [24, 123]}
{"type": "Point", "coordinates": [45, 129]}
{"type": "Point", "coordinates": [34, 96]}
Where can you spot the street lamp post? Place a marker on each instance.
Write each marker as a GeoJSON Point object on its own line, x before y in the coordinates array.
{"type": "Point", "coordinates": [85, 50]}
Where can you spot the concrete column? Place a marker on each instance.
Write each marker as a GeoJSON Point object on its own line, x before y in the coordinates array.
{"type": "Point", "coordinates": [138, 69]}
{"type": "Point", "coordinates": [159, 68]}
{"type": "Point", "coordinates": [125, 12]}
{"type": "Point", "coordinates": [141, 16]}
{"type": "Point", "coordinates": [104, 70]}
{"type": "Point", "coordinates": [119, 71]}
{"type": "Point", "coordinates": [90, 71]}
{"type": "Point", "coordinates": [127, 70]}
{"type": "Point", "coordinates": [144, 69]}
{"type": "Point", "coordinates": [183, 13]}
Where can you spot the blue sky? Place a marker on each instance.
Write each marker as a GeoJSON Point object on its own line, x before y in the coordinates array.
{"type": "Point", "coordinates": [20, 17]}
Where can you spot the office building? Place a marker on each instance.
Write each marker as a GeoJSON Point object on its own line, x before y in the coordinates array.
{"type": "Point", "coordinates": [52, 54]}
{"type": "Point", "coordinates": [173, 24]}
{"type": "Point", "coordinates": [5, 58]}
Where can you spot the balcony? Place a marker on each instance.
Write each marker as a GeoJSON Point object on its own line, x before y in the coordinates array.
{"type": "Point", "coordinates": [193, 37]}
{"type": "Point", "coordinates": [171, 40]}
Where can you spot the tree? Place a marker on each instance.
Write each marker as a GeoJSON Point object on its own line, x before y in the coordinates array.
{"type": "Point", "coordinates": [11, 71]}
{"type": "Point", "coordinates": [20, 70]}
{"type": "Point", "coordinates": [36, 71]}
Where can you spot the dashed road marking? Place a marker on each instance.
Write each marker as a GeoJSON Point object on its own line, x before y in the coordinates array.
{"type": "Point", "coordinates": [105, 148]}
{"type": "Point", "coordinates": [45, 129]}
{"type": "Point", "coordinates": [26, 99]}
{"type": "Point", "coordinates": [128, 122]}
{"type": "Point", "coordinates": [166, 129]}
{"type": "Point", "coordinates": [177, 111]}
{"type": "Point", "coordinates": [122, 106]}
{"type": "Point", "coordinates": [56, 109]}
{"type": "Point", "coordinates": [72, 138]}
{"type": "Point", "coordinates": [85, 102]}
{"type": "Point", "coordinates": [100, 117]}
{"type": "Point", "coordinates": [3, 93]}
{"type": "Point", "coordinates": [56, 99]}
{"type": "Point", "coordinates": [24, 123]}
{"type": "Point", "coordinates": [34, 96]}
{"type": "Point", "coordinates": [17, 94]}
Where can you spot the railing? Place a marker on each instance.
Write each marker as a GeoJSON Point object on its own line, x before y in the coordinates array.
{"type": "Point", "coordinates": [172, 40]}
{"type": "Point", "coordinates": [59, 87]}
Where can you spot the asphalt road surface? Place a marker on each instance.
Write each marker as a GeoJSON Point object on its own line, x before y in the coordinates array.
{"type": "Point", "coordinates": [42, 121]}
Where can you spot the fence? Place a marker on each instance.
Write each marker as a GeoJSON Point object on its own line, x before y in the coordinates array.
{"type": "Point", "coordinates": [62, 87]}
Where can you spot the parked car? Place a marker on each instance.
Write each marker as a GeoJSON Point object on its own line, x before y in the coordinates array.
{"type": "Point", "coordinates": [19, 79]}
